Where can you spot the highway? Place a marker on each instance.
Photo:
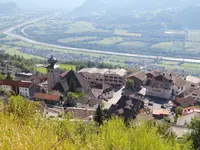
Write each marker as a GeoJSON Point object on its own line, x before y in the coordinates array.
{"type": "Point", "coordinates": [10, 32]}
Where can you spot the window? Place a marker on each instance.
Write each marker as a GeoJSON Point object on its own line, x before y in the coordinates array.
{"type": "Point", "coordinates": [115, 77]}
{"type": "Point", "coordinates": [101, 79]}
{"type": "Point", "coordinates": [97, 79]}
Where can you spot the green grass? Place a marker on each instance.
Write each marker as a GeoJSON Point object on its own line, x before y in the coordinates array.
{"type": "Point", "coordinates": [192, 46]}
{"type": "Point", "coordinates": [75, 39]}
{"type": "Point", "coordinates": [191, 66]}
{"type": "Point", "coordinates": [194, 35]}
{"type": "Point", "coordinates": [124, 32]}
{"type": "Point", "coordinates": [133, 44]}
{"type": "Point", "coordinates": [109, 41]}
{"type": "Point", "coordinates": [14, 51]}
{"type": "Point", "coordinates": [170, 62]}
{"type": "Point", "coordinates": [41, 70]}
{"type": "Point", "coordinates": [67, 67]}
{"type": "Point", "coordinates": [79, 27]}
{"type": "Point", "coordinates": [163, 45]}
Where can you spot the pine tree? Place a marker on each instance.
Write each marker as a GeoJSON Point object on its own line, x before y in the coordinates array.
{"type": "Point", "coordinates": [98, 116]}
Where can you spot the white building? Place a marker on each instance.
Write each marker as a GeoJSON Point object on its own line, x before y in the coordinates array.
{"type": "Point", "coordinates": [194, 80]}
{"type": "Point", "coordinates": [195, 94]}
{"type": "Point", "coordinates": [24, 88]}
{"type": "Point", "coordinates": [95, 76]}
{"type": "Point", "coordinates": [160, 86]}
{"type": "Point", "coordinates": [7, 88]}
{"type": "Point", "coordinates": [115, 77]}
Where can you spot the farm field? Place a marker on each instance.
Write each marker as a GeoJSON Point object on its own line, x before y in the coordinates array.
{"type": "Point", "coordinates": [66, 67]}
{"type": "Point", "coordinates": [194, 35]}
{"type": "Point", "coordinates": [108, 41]}
{"type": "Point", "coordinates": [124, 32]}
{"type": "Point", "coordinates": [75, 39]}
{"type": "Point", "coordinates": [134, 44]}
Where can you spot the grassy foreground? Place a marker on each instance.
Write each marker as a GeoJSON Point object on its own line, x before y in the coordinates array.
{"type": "Point", "coordinates": [21, 128]}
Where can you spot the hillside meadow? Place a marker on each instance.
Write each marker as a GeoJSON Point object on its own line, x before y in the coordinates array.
{"type": "Point", "coordinates": [22, 127]}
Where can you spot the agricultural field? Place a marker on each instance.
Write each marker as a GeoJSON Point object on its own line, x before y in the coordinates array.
{"type": "Point", "coordinates": [66, 67]}
{"type": "Point", "coordinates": [79, 27]}
{"type": "Point", "coordinates": [124, 32]}
{"type": "Point", "coordinates": [75, 39]}
{"type": "Point", "coordinates": [190, 66]}
{"type": "Point", "coordinates": [163, 45]}
{"type": "Point", "coordinates": [134, 44]}
{"type": "Point", "coordinates": [194, 35]}
{"type": "Point", "coordinates": [41, 70]}
{"type": "Point", "coordinates": [109, 41]}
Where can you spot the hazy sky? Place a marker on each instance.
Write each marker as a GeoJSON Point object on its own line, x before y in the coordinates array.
{"type": "Point", "coordinates": [53, 4]}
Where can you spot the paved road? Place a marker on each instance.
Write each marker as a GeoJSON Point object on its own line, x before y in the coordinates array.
{"type": "Point", "coordinates": [9, 32]}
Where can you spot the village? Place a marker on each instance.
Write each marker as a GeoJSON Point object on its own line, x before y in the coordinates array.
{"type": "Point", "coordinates": [141, 95]}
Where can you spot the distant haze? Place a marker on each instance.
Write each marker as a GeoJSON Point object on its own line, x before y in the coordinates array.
{"type": "Point", "coordinates": [47, 4]}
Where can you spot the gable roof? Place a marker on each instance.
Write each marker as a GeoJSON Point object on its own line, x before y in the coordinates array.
{"type": "Point", "coordinates": [13, 83]}
{"type": "Point", "coordinates": [61, 86]}
{"type": "Point", "coordinates": [185, 102]}
{"type": "Point", "coordinates": [81, 82]}
{"type": "Point", "coordinates": [62, 75]}
{"type": "Point", "coordinates": [139, 75]}
{"type": "Point", "coordinates": [179, 82]}
{"type": "Point", "coordinates": [44, 96]}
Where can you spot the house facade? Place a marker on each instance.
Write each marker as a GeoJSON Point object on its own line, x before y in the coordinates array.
{"type": "Point", "coordinates": [23, 88]}
{"type": "Point", "coordinates": [160, 86]}
{"type": "Point", "coordinates": [139, 79]}
{"type": "Point", "coordinates": [95, 76]}
{"type": "Point", "coordinates": [115, 77]}
{"type": "Point", "coordinates": [186, 103]}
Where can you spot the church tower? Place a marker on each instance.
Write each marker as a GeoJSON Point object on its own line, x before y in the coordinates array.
{"type": "Point", "coordinates": [52, 73]}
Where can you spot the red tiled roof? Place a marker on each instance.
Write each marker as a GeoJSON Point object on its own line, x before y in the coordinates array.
{"type": "Point", "coordinates": [44, 96]}
{"type": "Point", "coordinates": [15, 83]}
